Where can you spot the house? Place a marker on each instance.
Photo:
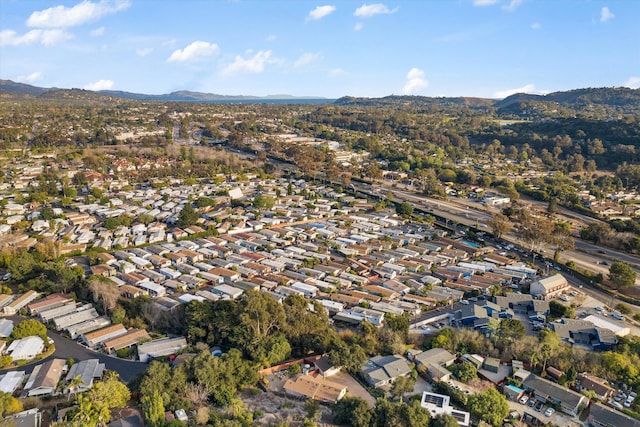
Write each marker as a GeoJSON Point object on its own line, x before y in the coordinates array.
{"type": "Point", "coordinates": [48, 303]}
{"type": "Point", "coordinates": [28, 418]}
{"type": "Point", "coordinates": [439, 404]}
{"type": "Point", "coordinates": [324, 366]}
{"type": "Point", "coordinates": [383, 370]}
{"type": "Point", "coordinates": [94, 338]}
{"type": "Point", "coordinates": [17, 304]}
{"type": "Point", "coordinates": [10, 381]}
{"type": "Point", "coordinates": [131, 338]}
{"type": "Point", "coordinates": [584, 333]}
{"type": "Point", "coordinates": [549, 287]}
{"type": "Point", "coordinates": [26, 348]}
{"type": "Point", "coordinates": [44, 378]}
{"type": "Point", "coordinates": [317, 388]}
{"type": "Point", "coordinates": [88, 370]}
{"type": "Point", "coordinates": [547, 391]}
{"type": "Point", "coordinates": [602, 416]}
{"type": "Point", "coordinates": [434, 361]}
{"type": "Point", "coordinates": [6, 327]}
{"type": "Point", "coordinates": [491, 364]}
{"type": "Point", "coordinates": [586, 381]}
{"type": "Point", "coordinates": [523, 304]}
{"type": "Point", "coordinates": [74, 318]}
{"type": "Point", "coordinates": [161, 347]}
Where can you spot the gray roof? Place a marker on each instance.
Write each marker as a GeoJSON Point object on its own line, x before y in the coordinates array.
{"type": "Point", "coordinates": [385, 368]}
{"type": "Point", "coordinates": [435, 355]}
{"type": "Point", "coordinates": [553, 391]}
{"type": "Point", "coordinates": [610, 417]}
{"type": "Point", "coordinates": [87, 369]}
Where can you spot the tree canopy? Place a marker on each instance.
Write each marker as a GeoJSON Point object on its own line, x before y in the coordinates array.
{"type": "Point", "coordinates": [490, 406]}
{"type": "Point", "coordinates": [622, 275]}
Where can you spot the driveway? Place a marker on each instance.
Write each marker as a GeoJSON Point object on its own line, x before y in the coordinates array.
{"type": "Point", "coordinates": [66, 348]}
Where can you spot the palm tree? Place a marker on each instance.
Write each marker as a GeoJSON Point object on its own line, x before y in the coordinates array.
{"type": "Point", "coordinates": [74, 385]}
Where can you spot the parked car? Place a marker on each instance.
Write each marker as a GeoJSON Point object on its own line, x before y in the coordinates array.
{"type": "Point", "coordinates": [531, 403]}
{"type": "Point", "coordinates": [523, 400]}
{"type": "Point", "coordinates": [538, 406]}
{"type": "Point", "coordinates": [549, 412]}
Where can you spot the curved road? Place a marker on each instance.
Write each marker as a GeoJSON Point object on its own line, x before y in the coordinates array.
{"type": "Point", "coordinates": [66, 348]}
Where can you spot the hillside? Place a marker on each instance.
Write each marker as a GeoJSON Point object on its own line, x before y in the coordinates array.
{"type": "Point", "coordinates": [594, 102]}
{"type": "Point", "coordinates": [10, 87]}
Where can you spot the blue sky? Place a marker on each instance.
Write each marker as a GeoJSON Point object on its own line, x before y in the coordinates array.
{"type": "Point", "coordinates": [485, 48]}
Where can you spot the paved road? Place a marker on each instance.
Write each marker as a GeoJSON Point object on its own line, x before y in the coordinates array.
{"type": "Point", "coordinates": [66, 348]}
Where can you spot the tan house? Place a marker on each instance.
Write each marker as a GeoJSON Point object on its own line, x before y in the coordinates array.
{"type": "Point", "coordinates": [317, 388]}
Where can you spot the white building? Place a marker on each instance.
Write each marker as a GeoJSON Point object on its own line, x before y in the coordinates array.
{"type": "Point", "coordinates": [161, 347]}
{"type": "Point", "coordinates": [438, 404]}
{"type": "Point", "coordinates": [26, 348]}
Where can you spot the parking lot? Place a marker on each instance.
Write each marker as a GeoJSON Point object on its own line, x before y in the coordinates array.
{"type": "Point", "coordinates": [555, 418]}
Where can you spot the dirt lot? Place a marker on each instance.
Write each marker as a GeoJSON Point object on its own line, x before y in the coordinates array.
{"type": "Point", "coordinates": [276, 408]}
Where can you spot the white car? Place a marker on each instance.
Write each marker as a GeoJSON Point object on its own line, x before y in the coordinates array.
{"type": "Point", "coordinates": [523, 399]}
{"type": "Point", "coordinates": [549, 412]}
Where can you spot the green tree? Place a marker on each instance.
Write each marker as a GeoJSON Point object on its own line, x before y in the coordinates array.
{"type": "Point", "coordinates": [153, 409]}
{"type": "Point", "coordinates": [9, 404]}
{"type": "Point", "coordinates": [352, 357]}
{"type": "Point", "coordinates": [354, 411]}
{"type": "Point", "coordinates": [5, 361]}
{"type": "Point", "coordinates": [187, 216]}
{"type": "Point", "coordinates": [465, 371]}
{"type": "Point", "coordinates": [312, 409]}
{"type": "Point", "coordinates": [511, 330]}
{"type": "Point", "coordinates": [400, 414]}
{"type": "Point", "coordinates": [500, 225]}
{"type": "Point", "coordinates": [404, 209]}
{"type": "Point", "coordinates": [402, 385]}
{"type": "Point", "coordinates": [595, 232]}
{"type": "Point", "coordinates": [29, 327]}
{"type": "Point", "coordinates": [622, 275]}
{"type": "Point", "coordinates": [96, 404]}
{"type": "Point", "coordinates": [47, 213]}
{"type": "Point", "coordinates": [443, 420]}
{"type": "Point", "coordinates": [490, 406]}
{"type": "Point", "coordinates": [264, 201]}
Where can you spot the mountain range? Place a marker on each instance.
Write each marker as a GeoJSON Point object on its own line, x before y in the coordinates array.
{"type": "Point", "coordinates": [178, 96]}
{"type": "Point", "coordinates": [615, 100]}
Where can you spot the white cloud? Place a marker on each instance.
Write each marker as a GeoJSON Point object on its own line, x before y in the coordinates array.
{"type": "Point", "coordinates": [336, 72]}
{"type": "Point", "coordinates": [529, 88]}
{"type": "Point", "coordinates": [99, 85]}
{"type": "Point", "coordinates": [195, 51]}
{"type": "Point", "coordinates": [512, 5]}
{"type": "Point", "coordinates": [97, 32]}
{"type": "Point", "coordinates": [33, 77]}
{"type": "Point", "coordinates": [272, 38]}
{"type": "Point", "coordinates": [633, 82]}
{"type": "Point", "coordinates": [307, 59]}
{"type": "Point", "coordinates": [606, 14]}
{"type": "Point", "coordinates": [320, 12]}
{"type": "Point", "coordinates": [254, 64]}
{"type": "Point", "coordinates": [82, 13]}
{"type": "Point", "coordinates": [415, 82]}
{"type": "Point", "coordinates": [369, 10]}
{"type": "Point", "coordinates": [144, 51]}
{"type": "Point", "coordinates": [485, 2]}
{"type": "Point", "coordinates": [358, 26]}
{"type": "Point", "coordinates": [44, 37]}
{"type": "Point", "coordinates": [536, 26]}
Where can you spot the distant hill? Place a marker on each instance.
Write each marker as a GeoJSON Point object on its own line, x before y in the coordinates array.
{"type": "Point", "coordinates": [8, 86]}
{"type": "Point", "coordinates": [592, 101]}
{"type": "Point", "coordinates": [416, 101]}
{"type": "Point", "coordinates": [14, 87]}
